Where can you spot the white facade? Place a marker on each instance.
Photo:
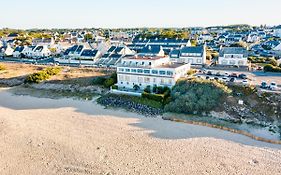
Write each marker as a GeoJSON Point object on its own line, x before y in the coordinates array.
{"type": "Point", "coordinates": [233, 60]}
{"type": "Point", "coordinates": [153, 71]}
{"type": "Point", "coordinates": [277, 32]}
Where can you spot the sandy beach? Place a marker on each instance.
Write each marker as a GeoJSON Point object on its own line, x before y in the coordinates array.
{"type": "Point", "coordinates": [65, 136]}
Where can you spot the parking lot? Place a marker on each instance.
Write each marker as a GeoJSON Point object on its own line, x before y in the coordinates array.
{"type": "Point", "coordinates": [250, 78]}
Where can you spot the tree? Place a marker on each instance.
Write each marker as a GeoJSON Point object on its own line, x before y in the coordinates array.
{"type": "Point", "coordinates": [136, 87]}
{"type": "Point", "coordinates": [88, 37]}
{"type": "Point", "coordinates": [108, 82]}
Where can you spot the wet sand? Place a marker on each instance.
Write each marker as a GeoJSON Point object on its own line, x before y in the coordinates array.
{"type": "Point", "coordinates": [65, 136]}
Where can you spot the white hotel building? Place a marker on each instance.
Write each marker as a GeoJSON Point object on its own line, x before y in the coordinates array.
{"type": "Point", "coordinates": [149, 71]}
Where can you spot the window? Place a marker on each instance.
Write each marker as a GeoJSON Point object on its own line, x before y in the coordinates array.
{"type": "Point", "coordinates": [146, 71]}
{"type": "Point", "coordinates": [149, 63]}
{"type": "Point", "coordinates": [162, 81]}
{"type": "Point", "coordinates": [162, 72]}
{"type": "Point", "coordinates": [127, 70]}
{"type": "Point", "coordinates": [140, 71]}
{"type": "Point", "coordinates": [121, 69]}
{"type": "Point", "coordinates": [232, 62]}
{"type": "Point", "coordinates": [133, 70]}
{"type": "Point", "coordinates": [169, 73]}
{"type": "Point", "coordinates": [147, 80]}
{"type": "Point", "coordinates": [121, 78]}
{"type": "Point", "coordinates": [127, 78]}
{"type": "Point", "coordinates": [154, 71]}
{"type": "Point", "coordinates": [140, 79]}
{"type": "Point", "coordinates": [170, 82]}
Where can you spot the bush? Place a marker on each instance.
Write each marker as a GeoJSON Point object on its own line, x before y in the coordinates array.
{"type": "Point", "coordinates": [53, 70]}
{"type": "Point", "coordinates": [37, 77]}
{"type": "Point", "coordinates": [114, 87]}
{"type": "Point", "coordinates": [108, 82]}
{"type": "Point", "coordinates": [147, 89]}
{"type": "Point", "coordinates": [191, 72]}
{"type": "Point", "coordinates": [99, 81]}
{"type": "Point", "coordinates": [155, 97]}
{"type": "Point", "coordinates": [273, 62]}
{"type": "Point", "coordinates": [190, 96]}
{"type": "Point", "coordinates": [2, 67]}
{"type": "Point", "coordinates": [42, 75]}
{"type": "Point", "coordinates": [271, 68]}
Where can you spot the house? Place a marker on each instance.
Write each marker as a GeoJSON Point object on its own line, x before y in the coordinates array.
{"type": "Point", "coordinates": [74, 51]}
{"type": "Point", "coordinates": [204, 37]}
{"type": "Point", "coordinates": [167, 44]}
{"type": "Point", "coordinates": [277, 31]}
{"type": "Point", "coordinates": [234, 38]}
{"type": "Point", "coordinates": [18, 51]}
{"type": "Point", "coordinates": [113, 56]}
{"type": "Point", "coordinates": [90, 54]}
{"type": "Point", "coordinates": [6, 50]}
{"type": "Point", "coordinates": [269, 45]}
{"type": "Point", "coordinates": [233, 56]}
{"type": "Point", "coordinates": [138, 72]}
{"type": "Point", "coordinates": [12, 36]}
{"type": "Point", "coordinates": [193, 55]}
{"type": "Point", "coordinates": [43, 42]}
{"type": "Point", "coordinates": [152, 50]}
{"type": "Point", "coordinates": [28, 51]}
{"type": "Point", "coordinates": [253, 38]}
{"type": "Point", "coordinates": [41, 52]}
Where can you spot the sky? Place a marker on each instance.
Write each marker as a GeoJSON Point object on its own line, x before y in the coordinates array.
{"type": "Point", "coordinates": [27, 14]}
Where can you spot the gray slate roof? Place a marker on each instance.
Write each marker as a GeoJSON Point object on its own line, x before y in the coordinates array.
{"type": "Point", "coordinates": [233, 50]}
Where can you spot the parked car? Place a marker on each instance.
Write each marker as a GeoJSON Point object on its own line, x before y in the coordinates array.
{"type": "Point", "coordinates": [216, 78]}
{"type": "Point", "coordinates": [243, 76]}
{"type": "Point", "coordinates": [234, 75]}
{"type": "Point", "coordinates": [218, 74]}
{"type": "Point", "coordinates": [273, 86]}
{"type": "Point", "coordinates": [207, 78]}
{"type": "Point", "coordinates": [260, 68]}
{"type": "Point", "coordinates": [232, 79]}
{"type": "Point", "coordinates": [209, 73]}
{"type": "Point", "coordinates": [225, 79]}
{"type": "Point", "coordinates": [264, 85]}
{"type": "Point", "coordinates": [245, 82]}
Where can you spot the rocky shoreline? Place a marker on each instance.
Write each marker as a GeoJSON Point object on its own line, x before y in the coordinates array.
{"type": "Point", "coordinates": [118, 102]}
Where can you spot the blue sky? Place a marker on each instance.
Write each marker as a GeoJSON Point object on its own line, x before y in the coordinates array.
{"type": "Point", "coordinates": [136, 13]}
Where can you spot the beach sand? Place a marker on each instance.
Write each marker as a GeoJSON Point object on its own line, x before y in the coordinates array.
{"type": "Point", "coordinates": [65, 136]}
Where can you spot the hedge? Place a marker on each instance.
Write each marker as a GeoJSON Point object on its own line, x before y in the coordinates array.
{"type": "Point", "coordinates": [155, 97]}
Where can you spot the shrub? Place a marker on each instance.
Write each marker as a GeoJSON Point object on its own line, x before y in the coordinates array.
{"type": "Point", "coordinates": [191, 72]}
{"type": "Point", "coordinates": [108, 82]}
{"type": "Point", "coordinates": [147, 89]}
{"type": "Point", "coordinates": [99, 80]}
{"type": "Point", "coordinates": [37, 77]}
{"type": "Point", "coordinates": [189, 96]}
{"type": "Point", "coordinates": [2, 67]}
{"type": "Point", "coordinates": [155, 97]}
{"type": "Point", "coordinates": [53, 70]}
{"type": "Point", "coordinates": [271, 68]}
{"type": "Point", "coordinates": [114, 87]}
{"type": "Point", "coordinates": [273, 62]}
{"type": "Point", "coordinates": [43, 75]}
